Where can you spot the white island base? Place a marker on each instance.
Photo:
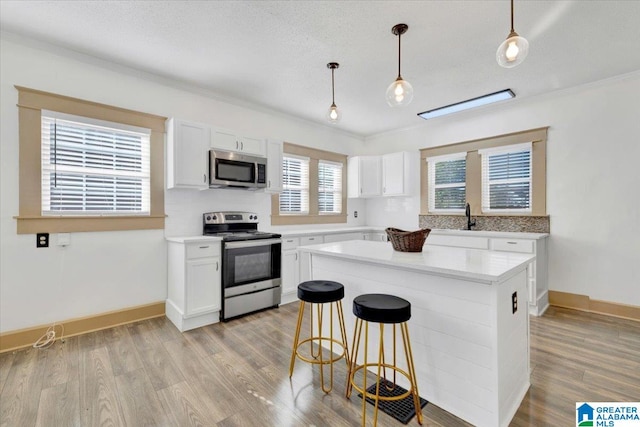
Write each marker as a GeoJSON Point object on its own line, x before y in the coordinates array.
{"type": "Point", "coordinates": [470, 350]}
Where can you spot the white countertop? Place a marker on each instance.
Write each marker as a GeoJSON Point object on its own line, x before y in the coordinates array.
{"type": "Point", "coordinates": [482, 233]}
{"type": "Point", "coordinates": [470, 264]}
{"type": "Point", "coordinates": [193, 239]}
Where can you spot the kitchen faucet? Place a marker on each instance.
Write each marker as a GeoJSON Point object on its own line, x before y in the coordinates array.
{"type": "Point", "coordinates": [467, 212]}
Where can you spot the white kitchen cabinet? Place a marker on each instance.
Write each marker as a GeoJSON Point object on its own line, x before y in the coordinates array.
{"type": "Point", "coordinates": [396, 180]}
{"type": "Point", "coordinates": [194, 282]}
{"type": "Point", "coordinates": [343, 237]}
{"type": "Point", "coordinates": [538, 285]}
{"type": "Point", "coordinates": [274, 166]}
{"type": "Point", "coordinates": [290, 270]}
{"type": "Point", "coordinates": [364, 177]}
{"type": "Point", "coordinates": [230, 141]}
{"type": "Point", "coordinates": [375, 236]}
{"type": "Point", "coordinates": [187, 154]}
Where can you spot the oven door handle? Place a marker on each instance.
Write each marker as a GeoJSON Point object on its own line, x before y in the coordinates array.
{"type": "Point", "coordinates": [251, 243]}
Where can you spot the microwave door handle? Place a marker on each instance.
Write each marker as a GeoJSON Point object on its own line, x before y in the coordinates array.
{"type": "Point", "coordinates": [251, 243]}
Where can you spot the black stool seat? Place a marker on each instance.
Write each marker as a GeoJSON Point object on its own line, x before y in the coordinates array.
{"type": "Point", "coordinates": [320, 291]}
{"type": "Point", "coordinates": [381, 308]}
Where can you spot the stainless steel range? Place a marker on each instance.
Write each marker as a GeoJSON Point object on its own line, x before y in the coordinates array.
{"type": "Point", "coordinates": [250, 262]}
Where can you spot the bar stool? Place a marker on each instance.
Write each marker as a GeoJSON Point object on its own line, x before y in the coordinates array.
{"type": "Point", "coordinates": [320, 292]}
{"type": "Point", "coordinates": [382, 309]}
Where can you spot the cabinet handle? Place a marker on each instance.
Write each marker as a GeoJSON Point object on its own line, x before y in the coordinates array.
{"type": "Point", "coordinates": [269, 183]}
{"type": "Point", "coordinates": [384, 189]}
{"type": "Point", "coordinates": [289, 241]}
{"type": "Point", "coordinates": [204, 247]}
{"type": "Point", "coordinates": [312, 238]}
{"type": "Point", "coordinates": [296, 256]}
{"type": "Point", "coordinates": [241, 145]}
{"type": "Point", "coordinates": [236, 145]}
{"type": "Point", "coordinates": [360, 190]}
{"type": "Point", "coordinates": [217, 265]}
{"type": "Point", "coordinates": [512, 243]}
{"type": "Point", "coordinates": [204, 177]}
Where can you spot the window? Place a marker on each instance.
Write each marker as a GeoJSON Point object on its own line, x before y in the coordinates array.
{"type": "Point", "coordinates": [503, 175]}
{"type": "Point", "coordinates": [329, 187]}
{"type": "Point", "coordinates": [294, 198]}
{"type": "Point", "coordinates": [506, 178]}
{"type": "Point", "coordinates": [86, 166]}
{"type": "Point", "coordinates": [314, 191]}
{"type": "Point", "coordinates": [447, 182]}
{"type": "Point", "coordinates": [93, 168]}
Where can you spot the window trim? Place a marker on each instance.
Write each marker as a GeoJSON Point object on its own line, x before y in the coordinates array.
{"type": "Point", "coordinates": [314, 216]}
{"type": "Point", "coordinates": [538, 138]}
{"type": "Point", "coordinates": [30, 219]}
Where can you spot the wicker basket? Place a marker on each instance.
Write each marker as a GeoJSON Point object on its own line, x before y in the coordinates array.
{"type": "Point", "coordinates": [407, 241]}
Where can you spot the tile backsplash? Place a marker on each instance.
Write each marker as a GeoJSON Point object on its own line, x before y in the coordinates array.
{"type": "Point", "coordinates": [522, 224]}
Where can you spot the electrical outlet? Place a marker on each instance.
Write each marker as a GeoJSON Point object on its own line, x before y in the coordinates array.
{"type": "Point", "coordinates": [42, 240]}
{"type": "Point", "coordinates": [514, 302]}
{"type": "Point", "coordinates": [355, 214]}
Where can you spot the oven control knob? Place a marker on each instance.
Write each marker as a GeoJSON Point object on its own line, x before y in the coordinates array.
{"type": "Point", "coordinates": [255, 217]}
{"type": "Point", "coordinates": [208, 217]}
{"type": "Point", "coordinates": [215, 217]}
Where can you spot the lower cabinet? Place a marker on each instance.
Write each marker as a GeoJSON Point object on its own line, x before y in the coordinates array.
{"type": "Point", "coordinates": [375, 236]}
{"type": "Point", "coordinates": [538, 285]}
{"type": "Point", "coordinates": [194, 283]}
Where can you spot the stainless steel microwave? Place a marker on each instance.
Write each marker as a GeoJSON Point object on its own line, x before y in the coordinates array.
{"type": "Point", "coordinates": [229, 169]}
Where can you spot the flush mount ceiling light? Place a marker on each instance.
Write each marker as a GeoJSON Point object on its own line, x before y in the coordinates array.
{"type": "Point", "coordinates": [469, 103]}
{"type": "Point", "coordinates": [333, 114]}
{"type": "Point", "coordinates": [400, 92]}
{"type": "Point", "coordinates": [514, 49]}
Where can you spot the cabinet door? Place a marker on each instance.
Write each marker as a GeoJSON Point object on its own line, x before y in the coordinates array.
{"type": "Point", "coordinates": [274, 166]}
{"type": "Point", "coordinates": [187, 152]}
{"type": "Point", "coordinates": [393, 174]}
{"type": "Point", "coordinates": [252, 146]}
{"type": "Point", "coordinates": [290, 271]}
{"type": "Point", "coordinates": [203, 292]}
{"type": "Point", "coordinates": [370, 176]}
{"type": "Point", "coordinates": [225, 140]}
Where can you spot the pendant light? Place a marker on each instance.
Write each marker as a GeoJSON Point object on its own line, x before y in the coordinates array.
{"type": "Point", "coordinates": [333, 114]}
{"type": "Point", "coordinates": [514, 49]}
{"type": "Point", "coordinates": [400, 92]}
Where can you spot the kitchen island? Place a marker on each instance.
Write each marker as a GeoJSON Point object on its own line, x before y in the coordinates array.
{"type": "Point", "coordinates": [469, 326]}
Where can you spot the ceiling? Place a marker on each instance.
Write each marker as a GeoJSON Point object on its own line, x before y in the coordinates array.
{"type": "Point", "coordinates": [274, 54]}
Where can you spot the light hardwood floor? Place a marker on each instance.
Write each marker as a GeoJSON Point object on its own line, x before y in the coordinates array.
{"type": "Point", "coordinates": [236, 374]}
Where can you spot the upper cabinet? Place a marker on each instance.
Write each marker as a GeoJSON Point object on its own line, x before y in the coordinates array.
{"type": "Point", "coordinates": [372, 176]}
{"type": "Point", "coordinates": [187, 154]}
{"type": "Point", "coordinates": [396, 174]}
{"type": "Point", "coordinates": [364, 178]}
{"type": "Point", "coordinates": [274, 166]}
{"type": "Point", "coordinates": [230, 141]}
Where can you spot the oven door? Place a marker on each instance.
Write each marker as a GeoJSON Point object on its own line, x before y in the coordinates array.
{"type": "Point", "coordinates": [250, 266]}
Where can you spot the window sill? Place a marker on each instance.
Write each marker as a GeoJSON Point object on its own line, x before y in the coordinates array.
{"type": "Point", "coordinates": [60, 224]}
{"type": "Point", "coordinates": [307, 219]}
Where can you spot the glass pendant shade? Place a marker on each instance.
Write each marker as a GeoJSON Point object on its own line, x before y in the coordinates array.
{"type": "Point", "coordinates": [399, 93]}
{"type": "Point", "coordinates": [333, 114]}
{"type": "Point", "coordinates": [512, 51]}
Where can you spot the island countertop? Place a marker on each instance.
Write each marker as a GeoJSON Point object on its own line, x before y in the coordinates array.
{"type": "Point", "coordinates": [470, 264]}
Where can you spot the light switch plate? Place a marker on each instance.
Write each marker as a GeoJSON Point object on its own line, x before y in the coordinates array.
{"type": "Point", "coordinates": [63, 239]}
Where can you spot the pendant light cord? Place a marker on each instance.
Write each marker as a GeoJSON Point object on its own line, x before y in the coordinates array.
{"type": "Point", "coordinates": [512, 30]}
{"type": "Point", "coordinates": [333, 93]}
{"type": "Point", "coordinates": [400, 55]}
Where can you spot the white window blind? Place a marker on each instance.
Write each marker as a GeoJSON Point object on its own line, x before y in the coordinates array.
{"type": "Point", "coordinates": [294, 198]}
{"type": "Point", "coordinates": [329, 187]}
{"type": "Point", "coordinates": [506, 178]}
{"type": "Point", "coordinates": [92, 167]}
{"type": "Point", "coordinates": [447, 182]}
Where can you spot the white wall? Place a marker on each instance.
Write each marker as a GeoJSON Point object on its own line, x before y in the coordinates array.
{"type": "Point", "coordinates": [108, 271]}
{"type": "Point", "coordinates": [593, 182]}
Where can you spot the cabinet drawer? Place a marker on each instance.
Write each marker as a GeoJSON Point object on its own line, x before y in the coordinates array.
{"type": "Point", "coordinates": [311, 240]}
{"type": "Point", "coordinates": [290, 243]}
{"type": "Point", "coordinates": [458, 241]}
{"type": "Point", "coordinates": [203, 250]}
{"type": "Point", "coordinates": [512, 245]}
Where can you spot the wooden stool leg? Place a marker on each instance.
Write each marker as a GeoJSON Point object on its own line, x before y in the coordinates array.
{"type": "Point", "coordinates": [296, 338]}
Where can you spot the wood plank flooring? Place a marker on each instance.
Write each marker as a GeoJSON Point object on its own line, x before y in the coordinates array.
{"type": "Point", "coordinates": [235, 374]}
